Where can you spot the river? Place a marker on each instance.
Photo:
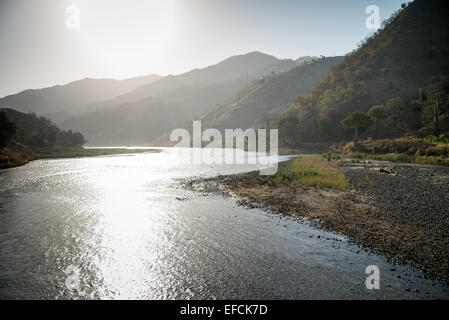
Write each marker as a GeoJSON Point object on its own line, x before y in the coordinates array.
{"type": "Point", "coordinates": [122, 227]}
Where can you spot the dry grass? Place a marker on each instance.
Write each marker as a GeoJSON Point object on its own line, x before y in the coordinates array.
{"type": "Point", "coordinates": [314, 171]}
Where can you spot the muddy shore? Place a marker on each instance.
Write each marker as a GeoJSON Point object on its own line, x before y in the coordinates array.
{"type": "Point", "coordinates": [398, 210]}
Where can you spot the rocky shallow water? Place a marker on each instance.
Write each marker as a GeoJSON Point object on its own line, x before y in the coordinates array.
{"type": "Point", "coordinates": [398, 210]}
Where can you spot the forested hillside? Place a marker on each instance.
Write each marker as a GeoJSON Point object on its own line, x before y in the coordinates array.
{"type": "Point", "coordinates": [38, 133]}
{"type": "Point", "coordinates": [266, 98]}
{"type": "Point", "coordinates": [402, 70]}
{"type": "Point", "coordinates": [24, 137]}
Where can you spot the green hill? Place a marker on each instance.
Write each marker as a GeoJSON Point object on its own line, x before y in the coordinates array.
{"type": "Point", "coordinates": [266, 98]}
{"type": "Point", "coordinates": [406, 59]}
{"type": "Point", "coordinates": [38, 133]}
{"type": "Point", "coordinates": [25, 136]}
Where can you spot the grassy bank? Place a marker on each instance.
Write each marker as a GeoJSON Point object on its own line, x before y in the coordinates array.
{"type": "Point", "coordinates": [313, 171]}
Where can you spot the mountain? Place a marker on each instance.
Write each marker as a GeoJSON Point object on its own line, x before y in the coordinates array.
{"type": "Point", "coordinates": [305, 60]}
{"type": "Point", "coordinates": [24, 136]}
{"type": "Point", "coordinates": [241, 67]}
{"type": "Point", "coordinates": [58, 102]}
{"type": "Point", "coordinates": [266, 98]}
{"type": "Point", "coordinates": [149, 111]}
{"type": "Point", "coordinates": [404, 60]}
{"type": "Point", "coordinates": [39, 133]}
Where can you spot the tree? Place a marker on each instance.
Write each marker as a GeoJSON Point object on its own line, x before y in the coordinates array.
{"type": "Point", "coordinates": [357, 121]}
{"type": "Point", "coordinates": [329, 125]}
{"type": "Point", "coordinates": [7, 130]}
{"type": "Point", "coordinates": [378, 113]}
{"type": "Point", "coordinates": [436, 102]}
{"type": "Point", "coordinates": [308, 118]}
{"type": "Point", "coordinates": [393, 107]}
{"type": "Point", "coordinates": [288, 125]}
{"type": "Point", "coordinates": [78, 139]}
{"type": "Point", "coordinates": [445, 105]}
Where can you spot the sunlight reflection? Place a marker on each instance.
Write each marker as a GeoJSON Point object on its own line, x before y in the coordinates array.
{"type": "Point", "coordinates": [128, 229]}
{"type": "Point", "coordinates": [138, 222]}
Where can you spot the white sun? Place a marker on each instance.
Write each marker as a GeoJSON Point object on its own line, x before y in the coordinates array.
{"type": "Point", "coordinates": [126, 36]}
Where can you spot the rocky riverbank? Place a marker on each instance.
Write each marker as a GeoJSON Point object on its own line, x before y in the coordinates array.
{"type": "Point", "coordinates": [398, 210]}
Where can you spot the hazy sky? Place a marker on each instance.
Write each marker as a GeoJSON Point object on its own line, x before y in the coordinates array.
{"type": "Point", "coordinates": [126, 38]}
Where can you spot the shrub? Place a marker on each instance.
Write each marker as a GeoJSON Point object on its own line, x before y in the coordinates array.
{"type": "Point", "coordinates": [443, 138]}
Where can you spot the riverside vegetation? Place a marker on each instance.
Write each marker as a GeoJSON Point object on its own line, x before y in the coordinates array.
{"type": "Point", "coordinates": [428, 150]}
{"type": "Point", "coordinates": [26, 137]}
{"type": "Point", "coordinates": [313, 171]}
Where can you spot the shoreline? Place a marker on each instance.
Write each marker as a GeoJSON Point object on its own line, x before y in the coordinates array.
{"type": "Point", "coordinates": [394, 209]}
{"type": "Point", "coordinates": [16, 158]}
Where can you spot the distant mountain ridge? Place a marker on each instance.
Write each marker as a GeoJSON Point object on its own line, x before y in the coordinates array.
{"type": "Point", "coordinates": [238, 68]}
{"type": "Point", "coordinates": [147, 112]}
{"type": "Point", "coordinates": [305, 60]}
{"type": "Point", "coordinates": [138, 110]}
{"type": "Point", "coordinates": [59, 101]}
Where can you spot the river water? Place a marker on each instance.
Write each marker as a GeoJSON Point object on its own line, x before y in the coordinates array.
{"type": "Point", "coordinates": [121, 227]}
